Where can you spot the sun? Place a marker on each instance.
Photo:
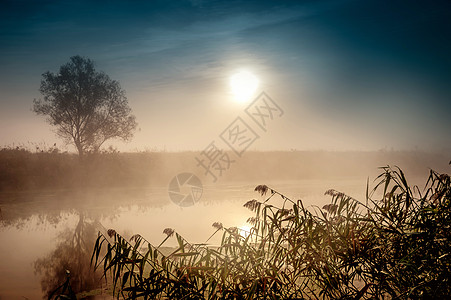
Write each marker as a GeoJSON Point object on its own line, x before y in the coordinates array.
{"type": "Point", "coordinates": [245, 230]}
{"type": "Point", "coordinates": [243, 85]}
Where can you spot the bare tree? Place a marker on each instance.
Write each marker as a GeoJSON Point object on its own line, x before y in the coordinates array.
{"type": "Point", "coordinates": [86, 107]}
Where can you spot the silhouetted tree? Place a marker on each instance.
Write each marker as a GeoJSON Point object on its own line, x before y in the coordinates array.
{"type": "Point", "coordinates": [86, 106]}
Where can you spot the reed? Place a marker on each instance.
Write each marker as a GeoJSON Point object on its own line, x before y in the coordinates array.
{"type": "Point", "coordinates": [395, 244]}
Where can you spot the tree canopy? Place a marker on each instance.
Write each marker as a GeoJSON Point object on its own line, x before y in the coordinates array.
{"type": "Point", "coordinates": [86, 107]}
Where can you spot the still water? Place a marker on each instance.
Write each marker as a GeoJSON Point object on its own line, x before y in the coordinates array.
{"type": "Point", "coordinates": [37, 226]}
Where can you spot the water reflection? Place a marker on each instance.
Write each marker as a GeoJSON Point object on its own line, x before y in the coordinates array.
{"type": "Point", "coordinates": [48, 234]}
{"type": "Point", "coordinates": [72, 254]}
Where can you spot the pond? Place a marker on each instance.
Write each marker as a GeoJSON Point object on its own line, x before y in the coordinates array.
{"type": "Point", "coordinates": [45, 233]}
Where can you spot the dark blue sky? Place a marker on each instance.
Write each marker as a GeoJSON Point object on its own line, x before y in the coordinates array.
{"type": "Point", "coordinates": [350, 75]}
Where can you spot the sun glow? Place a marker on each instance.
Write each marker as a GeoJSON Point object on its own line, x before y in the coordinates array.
{"type": "Point", "coordinates": [243, 85]}
{"type": "Point", "coordinates": [245, 230]}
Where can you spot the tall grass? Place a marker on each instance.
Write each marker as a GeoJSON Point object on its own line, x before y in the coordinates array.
{"type": "Point", "coordinates": [40, 167]}
{"type": "Point", "coordinates": [25, 169]}
{"type": "Point", "coordinates": [395, 244]}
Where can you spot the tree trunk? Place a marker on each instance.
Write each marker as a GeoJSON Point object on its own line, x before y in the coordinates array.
{"type": "Point", "coordinates": [80, 150]}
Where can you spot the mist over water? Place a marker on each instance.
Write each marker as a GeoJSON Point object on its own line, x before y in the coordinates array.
{"type": "Point", "coordinates": [41, 227]}
{"type": "Point", "coordinates": [229, 96]}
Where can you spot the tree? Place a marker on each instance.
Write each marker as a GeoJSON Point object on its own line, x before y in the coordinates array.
{"type": "Point", "coordinates": [86, 106]}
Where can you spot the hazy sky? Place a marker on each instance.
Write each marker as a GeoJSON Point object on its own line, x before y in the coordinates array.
{"type": "Point", "coordinates": [349, 75]}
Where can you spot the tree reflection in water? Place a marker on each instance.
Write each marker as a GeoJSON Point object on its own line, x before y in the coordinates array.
{"type": "Point", "coordinates": [73, 254]}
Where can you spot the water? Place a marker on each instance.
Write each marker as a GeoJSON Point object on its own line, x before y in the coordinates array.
{"type": "Point", "coordinates": [35, 225]}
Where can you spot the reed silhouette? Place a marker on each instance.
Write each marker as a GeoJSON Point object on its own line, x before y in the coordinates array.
{"type": "Point", "coordinates": [394, 244]}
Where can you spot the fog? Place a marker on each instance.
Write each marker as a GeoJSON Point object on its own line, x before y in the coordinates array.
{"type": "Point", "coordinates": [50, 216]}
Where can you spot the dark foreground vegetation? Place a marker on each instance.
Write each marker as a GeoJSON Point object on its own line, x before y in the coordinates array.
{"type": "Point", "coordinates": [395, 244]}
